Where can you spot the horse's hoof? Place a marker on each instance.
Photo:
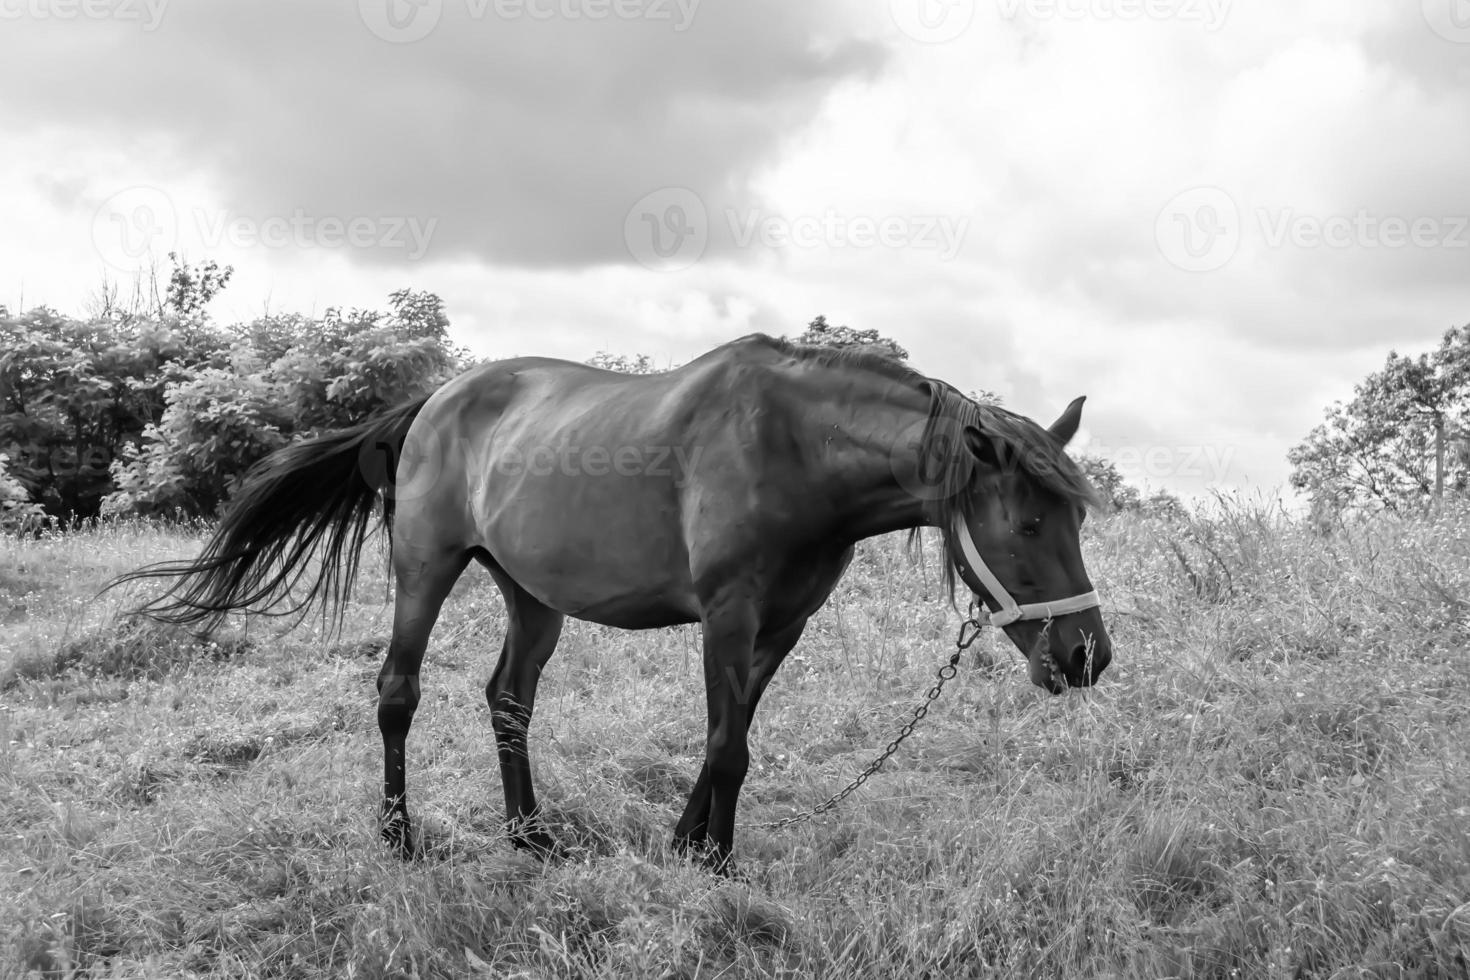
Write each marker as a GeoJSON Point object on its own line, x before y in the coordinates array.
{"type": "Point", "coordinates": [537, 842]}
{"type": "Point", "coordinates": [724, 867]}
{"type": "Point", "coordinates": [397, 833]}
{"type": "Point", "coordinates": [710, 858]}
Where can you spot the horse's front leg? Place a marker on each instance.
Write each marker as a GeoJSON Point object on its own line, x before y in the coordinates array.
{"type": "Point", "coordinates": [770, 651]}
{"type": "Point", "coordinates": [730, 627]}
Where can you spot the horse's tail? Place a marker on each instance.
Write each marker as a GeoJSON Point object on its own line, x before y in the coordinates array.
{"type": "Point", "coordinates": [312, 499]}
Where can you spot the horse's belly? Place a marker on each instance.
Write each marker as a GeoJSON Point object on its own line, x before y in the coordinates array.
{"type": "Point", "coordinates": [611, 576]}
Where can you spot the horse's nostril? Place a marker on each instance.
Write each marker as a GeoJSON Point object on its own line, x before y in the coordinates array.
{"type": "Point", "coordinates": [1082, 665]}
{"type": "Point", "coordinates": [1089, 660]}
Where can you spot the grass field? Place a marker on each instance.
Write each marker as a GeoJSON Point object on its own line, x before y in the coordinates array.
{"type": "Point", "coordinates": [1273, 780]}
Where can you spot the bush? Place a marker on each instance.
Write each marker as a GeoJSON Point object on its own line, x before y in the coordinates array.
{"type": "Point", "coordinates": [17, 511]}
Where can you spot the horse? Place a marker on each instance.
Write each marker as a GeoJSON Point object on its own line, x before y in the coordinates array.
{"type": "Point", "coordinates": [729, 492]}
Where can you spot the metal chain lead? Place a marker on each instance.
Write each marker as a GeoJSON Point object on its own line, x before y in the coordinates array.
{"type": "Point", "coordinates": [969, 632]}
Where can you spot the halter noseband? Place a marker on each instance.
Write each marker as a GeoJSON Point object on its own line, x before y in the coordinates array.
{"type": "Point", "coordinates": [1010, 610]}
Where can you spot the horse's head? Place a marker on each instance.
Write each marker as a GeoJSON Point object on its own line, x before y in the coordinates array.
{"type": "Point", "coordinates": [1017, 541]}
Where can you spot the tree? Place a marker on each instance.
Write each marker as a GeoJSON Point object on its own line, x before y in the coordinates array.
{"type": "Point", "coordinates": [1400, 442]}
{"type": "Point", "coordinates": [343, 368]}
{"type": "Point", "coordinates": [73, 393]}
{"type": "Point", "coordinates": [16, 509]}
{"type": "Point", "coordinates": [1104, 476]}
{"type": "Point", "coordinates": [1123, 497]}
{"type": "Point", "coordinates": [623, 363]}
{"type": "Point", "coordinates": [819, 333]}
{"type": "Point", "coordinates": [218, 423]}
{"type": "Point", "coordinates": [984, 396]}
{"type": "Point", "coordinates": [190, 288]}
{"type": "Point", "coordinates": [285, 378]}
{"type": "Point", "coordinates": [162, 412]}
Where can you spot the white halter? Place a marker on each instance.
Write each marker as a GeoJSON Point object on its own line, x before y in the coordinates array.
{"type": "Point", "coordinates": [1010, 610]}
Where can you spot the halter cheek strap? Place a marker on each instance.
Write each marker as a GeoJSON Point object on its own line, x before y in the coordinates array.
{"type": "Point", "coordinates": [1010, 610]}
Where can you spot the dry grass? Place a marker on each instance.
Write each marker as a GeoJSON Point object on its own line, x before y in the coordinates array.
{"type": "Point", "coordinates": [1271, 782]}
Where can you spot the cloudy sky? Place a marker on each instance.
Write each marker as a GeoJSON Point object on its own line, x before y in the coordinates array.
{"type": "Point", "coordinates": [1210, 216]}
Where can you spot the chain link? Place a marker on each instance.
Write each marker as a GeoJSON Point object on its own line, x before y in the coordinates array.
{"type": "Point", "coordinates": [969, 632]}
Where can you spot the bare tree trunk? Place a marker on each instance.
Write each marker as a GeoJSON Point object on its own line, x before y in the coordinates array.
{"type": "Point", "coordinates": [1438, 456]}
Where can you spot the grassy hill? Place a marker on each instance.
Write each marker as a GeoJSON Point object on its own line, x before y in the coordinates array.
{"type": "Point", "coordinates": [1273, 780]}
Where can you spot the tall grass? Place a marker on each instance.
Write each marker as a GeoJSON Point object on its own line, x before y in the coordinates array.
{"type": "Point", "coordinates": [1271, 781]}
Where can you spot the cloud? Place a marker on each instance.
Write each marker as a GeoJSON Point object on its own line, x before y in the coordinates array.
{"type": "Point", "coordinates": [524, 129]}
{"type": "Point", "coordinates": [1201, 213]}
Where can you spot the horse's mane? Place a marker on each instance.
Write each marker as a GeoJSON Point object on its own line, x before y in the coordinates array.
{"type": "Point", "coordinates": [946, 465]}
{"type": "Point", "coordinates": [859, 357]}
{"type": "Point", "coordinates": [1021, 445]}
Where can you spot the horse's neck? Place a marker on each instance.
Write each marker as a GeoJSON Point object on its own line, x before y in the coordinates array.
{"type": "Point", "coordinates": [869, 464]}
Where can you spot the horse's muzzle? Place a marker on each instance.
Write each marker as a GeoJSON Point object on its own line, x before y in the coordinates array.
{"type": "Point", "coordinates": [1085, 662]}
{"type": "Point", "coordinates": [1068, 657]}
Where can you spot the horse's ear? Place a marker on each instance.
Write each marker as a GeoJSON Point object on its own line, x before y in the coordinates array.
{"type": "Point", "coordinates": [983, 448]}
{"type": "Point", "coordinates": [1065, 427]}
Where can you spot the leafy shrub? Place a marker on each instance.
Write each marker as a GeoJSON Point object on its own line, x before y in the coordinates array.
{"type": "Point", "coordinates": [16, 509]}
{"type": "Point", "coordinates": [217, 424]}
{"type": "Point", "coordinates": [284, 378]}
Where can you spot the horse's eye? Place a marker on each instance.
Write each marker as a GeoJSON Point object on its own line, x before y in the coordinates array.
{"type": "Point", "coordinates": [1031, 528]}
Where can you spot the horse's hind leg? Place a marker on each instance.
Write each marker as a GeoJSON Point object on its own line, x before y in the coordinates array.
{"type": "Point", "coordinates": [422, 586]}
{"type": "Point", "coordinates": [532, 630]}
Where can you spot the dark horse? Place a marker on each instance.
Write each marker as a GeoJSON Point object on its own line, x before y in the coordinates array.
{"type": "Point", "coordinates": [729, 492]}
